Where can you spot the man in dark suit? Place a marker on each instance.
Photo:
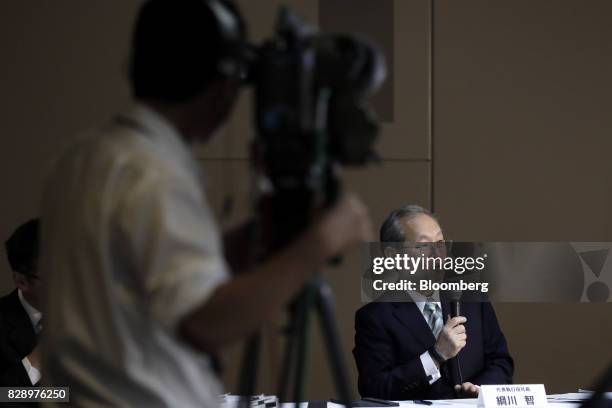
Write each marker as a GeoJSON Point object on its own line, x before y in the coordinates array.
{"type": "Point", "coordinates": [20, 316]}
{"type": "Point", "coordinates": [406, 350]}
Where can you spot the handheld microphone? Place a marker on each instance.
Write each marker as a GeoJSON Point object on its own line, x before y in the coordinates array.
{"type": "Point", "coordinates": [455, 307]}
{"type": "Point", "coordinates": [455, 304]}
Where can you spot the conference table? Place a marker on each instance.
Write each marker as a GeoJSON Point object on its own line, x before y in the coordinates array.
{"type": "Point", "coordinates": [568, 400]}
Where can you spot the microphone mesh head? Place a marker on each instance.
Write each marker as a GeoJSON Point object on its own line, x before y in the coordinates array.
{"type": "Point", "coordinates": [454, 295]}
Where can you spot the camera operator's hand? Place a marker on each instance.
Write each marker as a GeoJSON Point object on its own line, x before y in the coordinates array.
{"type": "Point", "coordinates": [452, 338]}
{"type": "Point", "coordinates": [344, 225]}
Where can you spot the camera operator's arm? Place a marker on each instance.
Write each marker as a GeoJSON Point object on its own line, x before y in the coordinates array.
{"type": "Point", "coordinates": [237, 246]}
{"type": "Point", "coordinates": [241, 305]}
{"type": "Point", "coordinates": [165, 232]}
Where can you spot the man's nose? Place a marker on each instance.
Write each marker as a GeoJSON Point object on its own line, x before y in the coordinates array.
{"type": "Point", "coordinates": [439, 249]}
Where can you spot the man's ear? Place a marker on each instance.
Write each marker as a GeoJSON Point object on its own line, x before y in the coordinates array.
{"type": "Point", "coordinates": [20, 281]}
{"type": "Point", "coordinates": [222, 89]}
{"type": "Point", "coordinates": [390, 252]}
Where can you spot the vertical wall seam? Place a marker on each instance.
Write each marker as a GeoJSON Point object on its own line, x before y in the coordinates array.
{"type": "Point", "coordinates": [431, 113]}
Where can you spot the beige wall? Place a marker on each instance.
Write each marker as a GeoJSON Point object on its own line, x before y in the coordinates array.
{"type": "Point", "coordinates": [520, 121]}
{"type": "Point", "coordinates": [62, 71]}
{"type": "Point", "coordinates": [522, 142]}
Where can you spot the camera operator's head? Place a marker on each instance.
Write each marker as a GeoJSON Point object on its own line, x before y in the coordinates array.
{"type": "Point", "coordinates": [185, 62]}
{"type": "Point", "coordinates": [22, 250]}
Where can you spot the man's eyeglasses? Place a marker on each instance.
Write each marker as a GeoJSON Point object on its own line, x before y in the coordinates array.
{"type": "Point", "coordinates": [431, 247]}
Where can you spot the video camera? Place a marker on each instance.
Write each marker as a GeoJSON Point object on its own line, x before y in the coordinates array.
{"type": "Point", "coordinates": [312, 116]}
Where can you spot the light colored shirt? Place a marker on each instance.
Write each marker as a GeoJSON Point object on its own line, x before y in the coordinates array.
{"type": "Point", "coordinates": [130, 247]}
{"type": "Point", "coordinates": [34, 315]}
{"type": "Point", "coordinates": [429, 365]}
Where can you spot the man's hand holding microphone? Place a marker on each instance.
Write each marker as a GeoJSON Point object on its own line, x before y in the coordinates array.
{"type": "Point", "coordinates": [451, 340]}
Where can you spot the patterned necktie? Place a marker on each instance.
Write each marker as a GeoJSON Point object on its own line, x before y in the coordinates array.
{"type": "Point", "coordinates": [433, 314]}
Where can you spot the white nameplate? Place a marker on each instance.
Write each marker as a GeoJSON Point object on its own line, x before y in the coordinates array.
{"type": "Point", "coordinates": [512, 396]}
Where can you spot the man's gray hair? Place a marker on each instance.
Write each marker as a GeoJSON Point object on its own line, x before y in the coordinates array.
{"type": "Point", "coordinates": [391, 230]}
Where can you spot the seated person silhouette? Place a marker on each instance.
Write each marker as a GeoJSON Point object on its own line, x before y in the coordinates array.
{"type": "Point", "coordinates": [20, 316]}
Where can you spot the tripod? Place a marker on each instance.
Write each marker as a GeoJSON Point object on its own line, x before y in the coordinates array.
{"type": "Point", "coordinates": [317, 296]}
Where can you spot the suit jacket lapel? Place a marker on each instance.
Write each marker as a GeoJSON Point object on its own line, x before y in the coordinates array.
{"type": "Point", "coordinates": [410, 316]}
{"type": "Point", "coordinates": [21, 333]}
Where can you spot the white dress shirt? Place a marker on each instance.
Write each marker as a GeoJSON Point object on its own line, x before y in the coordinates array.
{"type": "Point", "coordinates": [429, 365]}
{"type": "Point", "coordinates": [130, 247]}
{"type": "Point", "coordinates": [34, 315]}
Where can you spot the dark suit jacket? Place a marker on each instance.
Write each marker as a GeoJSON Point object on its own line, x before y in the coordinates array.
{"type": "Point", "coordinates": [390, 337]}
{"type": "Point", "coordinates": [17, 340]}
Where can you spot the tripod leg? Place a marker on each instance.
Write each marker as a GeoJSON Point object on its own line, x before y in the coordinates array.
{"type": "Point", "coordinates": [325, 308]}
{"type": "Point", "coordinates": [296, 346]}
{"type": "Point", "coordinates": [285, 373]}
{"type": "Point", "coordinates": [292, 339]}
{"type": "Point", "coordinates": [302, 336]}
{"type": "Point", "coordinates": [248, 375]}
